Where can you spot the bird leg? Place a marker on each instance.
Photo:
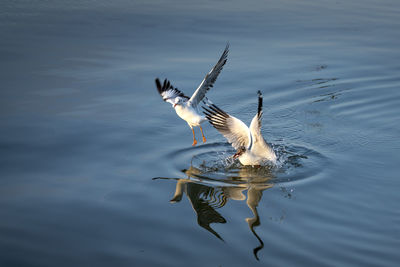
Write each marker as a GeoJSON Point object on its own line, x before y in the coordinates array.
{"type": "Point", "coordinates": [194, 138]}
{"type": "Point", "coordinates": [204, 139]}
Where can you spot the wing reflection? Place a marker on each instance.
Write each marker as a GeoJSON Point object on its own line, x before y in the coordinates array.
{"type": "Point", "coordinates": [204, 200]}
{"type": "Point", "coordinates": [206, 195]}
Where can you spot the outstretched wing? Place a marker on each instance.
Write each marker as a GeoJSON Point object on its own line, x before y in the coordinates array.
{"type": "Point", "coordinates": [259, 146]}
{"type": "Point", "coordinates": [168, 92]}
{"type": "Point", "coordinates": [255, 125]}
{"type": "Point", "coordinates": [209, 80]}
{"type": "Point", "coordinates": [233, 129]}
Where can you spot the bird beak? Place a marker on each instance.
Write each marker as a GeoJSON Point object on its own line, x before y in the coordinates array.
{"type": "Point", "coordinates": [174, 105]}
{"type": "Point", "coordinates": [236, 155]}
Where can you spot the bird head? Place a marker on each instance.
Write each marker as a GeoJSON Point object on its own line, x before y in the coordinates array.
{"type": "Point", "coordinates": [239, 152]}
{"type": "Point", "coordinates": [178, 101]}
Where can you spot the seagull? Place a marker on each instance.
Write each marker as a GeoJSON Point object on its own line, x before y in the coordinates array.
{"type": "Point", "coordinates": [249, 143]}
{"type": "Point", "coordinates": [185, 107]}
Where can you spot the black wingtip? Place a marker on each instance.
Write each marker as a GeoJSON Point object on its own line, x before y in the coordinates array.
{"type": "Point", "coordinates": [226, 50]}
{"type": "Point", "coordinates": [216, 117]}
{"type": "Point", "coordinates": [164, 86]}
{"type": "Point", "coordinates": [260, 102]}
{"type": "Point", "coordinates": [224, 55]}
{"type": "Point", "coordinates": [158, 85]}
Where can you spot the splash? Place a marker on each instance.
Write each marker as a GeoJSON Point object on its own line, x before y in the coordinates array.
{"type": "Point", "coordinates": [215, 162]}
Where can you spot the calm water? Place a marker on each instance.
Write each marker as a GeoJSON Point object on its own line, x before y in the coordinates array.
{"type": "Point", "coordinates": [95, 170]}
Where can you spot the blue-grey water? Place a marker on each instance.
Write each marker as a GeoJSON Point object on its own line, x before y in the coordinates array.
{"type": "Point", "coordinates": [96, 170]}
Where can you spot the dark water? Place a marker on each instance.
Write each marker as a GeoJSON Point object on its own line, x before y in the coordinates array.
{"type": "Point", "coordinates": [84, 132]}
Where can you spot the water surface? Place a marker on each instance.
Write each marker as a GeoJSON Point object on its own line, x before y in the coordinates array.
{"type": "Point", "coordinates": [95, 170]}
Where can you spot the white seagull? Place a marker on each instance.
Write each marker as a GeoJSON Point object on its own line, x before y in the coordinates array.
{"type": "Point", "coordinates": [249, 143]}
{"type": "Point", "coordinates": [185, 107]}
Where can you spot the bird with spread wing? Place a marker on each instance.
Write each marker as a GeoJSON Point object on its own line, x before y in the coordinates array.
{"type": "Point", "coordinates": [249, 143]}
{"type": "Point", "coordinates": [185, 107]}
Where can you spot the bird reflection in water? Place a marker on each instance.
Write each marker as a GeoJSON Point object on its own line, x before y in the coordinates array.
{"type": "Point", "coordinates": [207, 195]}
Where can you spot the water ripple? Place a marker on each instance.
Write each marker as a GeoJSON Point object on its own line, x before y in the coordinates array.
{"type": "Point", "coordinates": [213, 163]}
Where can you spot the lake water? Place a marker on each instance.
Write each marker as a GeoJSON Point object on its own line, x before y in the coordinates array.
{"type": "Point", "coordinates": [96, 170]}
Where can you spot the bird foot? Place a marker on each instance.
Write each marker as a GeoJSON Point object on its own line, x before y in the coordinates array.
{"type": "Point", "coordinates": [204, 140]}
{"type": "Point", "coordinates": [194, 142]}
